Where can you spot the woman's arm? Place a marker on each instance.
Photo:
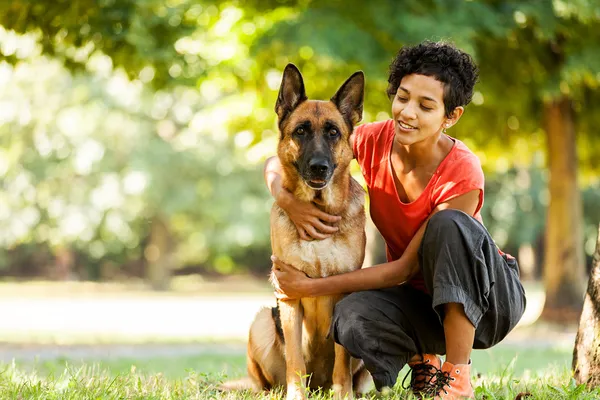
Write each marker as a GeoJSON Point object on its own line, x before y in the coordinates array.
{"type": "Point", "coordinates": [290, 283]}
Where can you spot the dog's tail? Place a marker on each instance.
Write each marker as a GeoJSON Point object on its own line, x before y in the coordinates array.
{"type": "Point", "coordinates": [237, 384]}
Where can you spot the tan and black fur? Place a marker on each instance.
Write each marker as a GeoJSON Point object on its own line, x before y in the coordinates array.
{"type": "Point", "coordinates": [290, 342]}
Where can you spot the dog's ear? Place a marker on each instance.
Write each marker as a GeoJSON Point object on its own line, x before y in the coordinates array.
{"type": "Point", "coordinates": [349, 98]}
{"type": "Point", "coordinates": [291, 92]}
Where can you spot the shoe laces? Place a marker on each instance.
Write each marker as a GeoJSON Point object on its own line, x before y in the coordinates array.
{"type": "Point", "coordinates": [421, 376]}
{"type": "Point", "coordinates": [443, 380]}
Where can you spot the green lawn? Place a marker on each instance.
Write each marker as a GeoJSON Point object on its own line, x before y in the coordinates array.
{"type": "Point", "coordinates": [499, 360]}
{"type": "Point", "coordinates": [499, 373]}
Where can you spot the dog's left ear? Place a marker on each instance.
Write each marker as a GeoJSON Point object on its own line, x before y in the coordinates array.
{"type": "Point", "coordinates": [349, 98]}
{"type": "Point", "coordinates": [291, 92]}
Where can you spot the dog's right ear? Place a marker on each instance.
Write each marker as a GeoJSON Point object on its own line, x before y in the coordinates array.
{"type": "Point", "coordinates": [349, 98]}
{"type": "Point", "coordinates": [291, 92]}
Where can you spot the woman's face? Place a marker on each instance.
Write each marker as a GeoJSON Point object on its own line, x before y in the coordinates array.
{"type": "Point", "coordinates": [418, 109]}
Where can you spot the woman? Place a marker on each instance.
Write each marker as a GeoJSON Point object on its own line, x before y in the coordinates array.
{"type": "Point", "coordinates": [446, 287]}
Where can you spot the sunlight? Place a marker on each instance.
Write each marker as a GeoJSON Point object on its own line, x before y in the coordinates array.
{"type": "Point", "coordinates": [4, 162]}
{"type": "Point", "coordinates": [135, 182]}
{"type": "Point", "coordinates": [243, 139]}
{"type": "Point", "coordinates": [8, 112]}
{"type": "Point", "coordinates": [107, 194]}
{"type": "Point", "coordinates": [6, 71]}
{"type": "Point", "coordinates": [536, 296]}
{"type": "Point", "coordinates": [73, 223]}
{"type": "Point", "coordinates": [86, 155]}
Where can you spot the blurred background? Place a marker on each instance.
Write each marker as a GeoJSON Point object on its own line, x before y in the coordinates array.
{"type": "Point", "coordinates": [133, 135]}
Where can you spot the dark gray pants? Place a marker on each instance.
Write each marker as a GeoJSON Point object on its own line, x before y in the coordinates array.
{"type": "Point", "coordinates": [460, 264]}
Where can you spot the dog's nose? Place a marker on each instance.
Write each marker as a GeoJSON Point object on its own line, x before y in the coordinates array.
{"type": "Point", "coordinates": [318, 166]}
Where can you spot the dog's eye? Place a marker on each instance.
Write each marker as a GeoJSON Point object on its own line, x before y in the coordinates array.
{"type": "Point", "coordinates": [300, 131]}
{"type": "Point", "coordinates": [334, 132]}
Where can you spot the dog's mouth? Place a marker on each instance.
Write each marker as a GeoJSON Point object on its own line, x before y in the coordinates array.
{"type": "Point", "coordinates": [315, 181]}
{"type": "Point", "coordinates": [317, 184]}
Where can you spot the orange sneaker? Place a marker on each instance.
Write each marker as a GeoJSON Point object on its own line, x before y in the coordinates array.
{"type": "Point", "coordinates": [423, 374]}
{"type": "Point", "coordinates": [454, 382]}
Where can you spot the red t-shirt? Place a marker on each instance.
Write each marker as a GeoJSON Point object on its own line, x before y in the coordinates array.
{"type": "Point", "coordinates": [459, 173]}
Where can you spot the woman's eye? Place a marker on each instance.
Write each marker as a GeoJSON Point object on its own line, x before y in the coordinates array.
{"type": "Point", "coordinates": [426, 108]}
{"type": "Point", "coordinates": [403, 99]}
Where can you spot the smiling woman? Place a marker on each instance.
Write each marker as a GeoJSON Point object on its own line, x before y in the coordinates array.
{"type": "Point", "coordinates": [418, 108]}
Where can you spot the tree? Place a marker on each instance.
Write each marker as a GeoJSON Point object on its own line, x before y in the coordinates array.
{"type": "Point", "coordinates": [134, 34]}
{"type": "Point", "coordinates": [586, 355]}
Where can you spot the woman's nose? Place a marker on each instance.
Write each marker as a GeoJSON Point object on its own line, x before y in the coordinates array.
{"type": "Point", "coordinates": [408, 112]}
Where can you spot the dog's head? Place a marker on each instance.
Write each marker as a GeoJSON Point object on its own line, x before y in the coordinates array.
{"type": "Point", "coordinates": [315, 135]}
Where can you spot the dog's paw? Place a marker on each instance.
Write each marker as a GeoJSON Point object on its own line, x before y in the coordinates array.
{"type": "Point", "coordinates": [342, 392]}
{"type": "Point", "coordinates": [295, 393]}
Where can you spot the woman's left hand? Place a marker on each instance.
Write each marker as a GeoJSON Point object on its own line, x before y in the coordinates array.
{"type": "Point", "coordinates": [290, 283]}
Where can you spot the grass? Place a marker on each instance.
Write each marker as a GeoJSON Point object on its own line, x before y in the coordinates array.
{"type": "Point", "coordinates": [498, 374]}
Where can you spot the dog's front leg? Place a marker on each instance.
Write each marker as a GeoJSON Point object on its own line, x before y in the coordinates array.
{"type": "Point", "coordinates": [291, 323]}
{"type": "Point", "coordinates": [342, 374]}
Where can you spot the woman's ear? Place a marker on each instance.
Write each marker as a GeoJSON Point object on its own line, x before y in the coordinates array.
{"type": "Point", "coordinates": [454, 117]}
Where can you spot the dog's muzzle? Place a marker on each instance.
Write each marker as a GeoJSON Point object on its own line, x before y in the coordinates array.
{"type": "Point", "coordinates": [319, 173]}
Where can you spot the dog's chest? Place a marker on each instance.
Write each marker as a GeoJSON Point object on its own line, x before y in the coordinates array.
{"type": "Point", "coordinates": [323, 257]}
{"type": "Point", "coordinates": [318, 258]}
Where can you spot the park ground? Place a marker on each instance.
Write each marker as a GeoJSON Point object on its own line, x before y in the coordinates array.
{"type": "Point", "coordinates": [199, 329]}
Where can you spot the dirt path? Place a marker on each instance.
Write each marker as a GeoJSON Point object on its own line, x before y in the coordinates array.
{"type": "Point", "coordinates": [126, 319]}
{"type": "Point", "coordinates": [8, 352]}
{"type": "Point", "coordinates": [87, 326]}
{"type": "Point", "coordinates": [29, 352]}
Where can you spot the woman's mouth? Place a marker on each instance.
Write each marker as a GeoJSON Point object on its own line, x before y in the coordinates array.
{"type": "Point", "coordinates": [406, 127]}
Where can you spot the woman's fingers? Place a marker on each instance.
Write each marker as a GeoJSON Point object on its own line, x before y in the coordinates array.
{"type": "Point", "coordinates": [320, 232]}
{"type": "Point", "coordinates": [302, 233]}
{"type": "Point", "coordinates": [287, 280]}
{"type": "Point", "coordinates": [316, 234]}
{"type": "Point", "coordinates": [322, 215]}
{"type": "Point", "coordinates": [276, 285]}
{"type": "Point", "coordinates": [325, 228]}
{"type": "Point", "coordinates": [279, 264]}
{"type": "Point", "coordinates": [282, 267]}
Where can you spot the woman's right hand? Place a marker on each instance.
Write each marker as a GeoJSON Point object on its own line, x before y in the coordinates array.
{"type": "Point", "coordinates": [310, 222]}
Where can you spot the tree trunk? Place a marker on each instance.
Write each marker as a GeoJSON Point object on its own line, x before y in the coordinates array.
{"type": "Point", "coordinates": [158, 254]}
{"type": "Point", "coordinates": [586, 355]}
{"type": "Point", "coordinates": [65, 264]}
{"type": "Point", "coordinates": [564, 272]}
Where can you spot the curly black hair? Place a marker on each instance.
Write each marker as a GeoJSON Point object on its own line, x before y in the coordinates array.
{"type": "Point", "coordinates": [442, 61]}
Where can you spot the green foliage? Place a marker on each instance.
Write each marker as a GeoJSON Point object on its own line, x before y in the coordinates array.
{"type": "Point", "coordinates": [135, 34]}
{"type": "Point", "coordinates": [115, 112]}
{"type": "Point", "coordinates": [515, 209]}
{"type": "Point", "coordinates": [527, 52]}
{"type": "Point", "coordinates": [100, 157]}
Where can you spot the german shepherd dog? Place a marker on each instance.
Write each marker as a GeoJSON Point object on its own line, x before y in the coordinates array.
{"type": "Point", "coordinates": [290, 342]}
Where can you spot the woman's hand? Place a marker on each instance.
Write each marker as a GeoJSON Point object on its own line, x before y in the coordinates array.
{"type": "Point", "coordinates": [310, 222]}
{"type": "Point", "coordinates": [290, 283]}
